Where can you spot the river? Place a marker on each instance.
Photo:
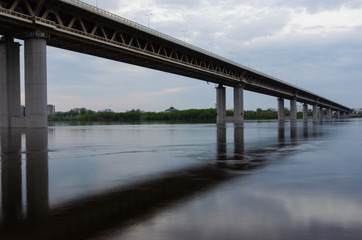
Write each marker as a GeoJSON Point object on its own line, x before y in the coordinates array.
{"type": "Point", "coordinates": [182, 181]}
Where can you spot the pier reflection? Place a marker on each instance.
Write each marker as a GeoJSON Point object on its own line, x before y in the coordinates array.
{"type": "Point", "coordinates": [119, 207]}
{"type": "Point", "coordinates": [305, 130]}
{"type": "Point", "coordinates": [13, 210]}
{"type": "Point", "coordinates": [37, 173]}
{"type": "Point", "coordinates": [221, 142]}
{"type": "Point", "coordinates": [11, 177]}
{"type": "Point", "coordinates": [238, 141]}
{"type": "Point", "coordinates": [281, 134]}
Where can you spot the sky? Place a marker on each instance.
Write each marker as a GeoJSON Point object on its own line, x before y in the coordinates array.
{"type": "Point", "coordinates": [314, 44]}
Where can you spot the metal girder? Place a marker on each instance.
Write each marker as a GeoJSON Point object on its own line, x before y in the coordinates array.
{"type": "Point", "coordinates": [38, 7]}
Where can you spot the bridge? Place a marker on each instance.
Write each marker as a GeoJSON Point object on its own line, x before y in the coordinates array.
{"type": "Point", "coordinates": [77, 26]}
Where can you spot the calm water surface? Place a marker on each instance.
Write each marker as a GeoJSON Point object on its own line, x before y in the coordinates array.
{"type": "Point", "coordinates": [183, 181]}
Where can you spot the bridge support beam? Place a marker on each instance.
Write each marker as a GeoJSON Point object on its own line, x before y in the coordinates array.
{"type": "Point", "coordinates": [238, 105]}
{"type": "Point", "coordinates": [293, 110]}
{"type": "Point", "coordinates": [315, 112]}
{"type": "Point", "coordinates": [280, 110]}
{"type": "Point", "coordinates": [10, 108]}
{"type": "Point", "coordinates": [36, 80]}
{"type": "Point", "coordinates": [321, 113]}
{"type": "Point", "coordinates": [305, 112]}
{"type": "Point", "coordinates": [329, 114]}
{"type": "Point", "coordinates": [338, 114]}
{"type": "Point", "coordinates": [220, 105]}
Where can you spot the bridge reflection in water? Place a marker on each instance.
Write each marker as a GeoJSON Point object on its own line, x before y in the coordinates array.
{"type": "Point", "coordinates": [32, 218]}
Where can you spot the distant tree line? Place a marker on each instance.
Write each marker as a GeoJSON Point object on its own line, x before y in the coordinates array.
{"type": "Point", "coordinates": [83, 114]}
{"type": "Point", "coordinates": [354, 116]}
{"type": "Point", "coordinates": [190, 115]}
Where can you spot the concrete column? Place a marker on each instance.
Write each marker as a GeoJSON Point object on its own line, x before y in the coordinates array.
{"type": "Point", "coordinates": [220, 104]}
{"type": "Point", "coordinates": [10, 107]}
{"type": "Point", "coordinates": [281, 110]}
{"type": "Point", "coordinates": [305, 112]}
{"type": "Point", "coordinates": [238, 105]}
{"type": "Point", "coordinates": [36, 81]}
{"type": "Point", "coordinates": [329, 114]}
{"type": "Point", "coordinates": [321, 113]}
{"type": "Point", "coordinates": [338, 114]}
{"type": "Point", "coordinates": [293, 110]}
{"type": "Point", "coordinates": [315, 112]}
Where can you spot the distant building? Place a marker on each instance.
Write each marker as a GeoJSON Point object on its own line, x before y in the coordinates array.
{"type": "Point", "coordinates": [51, 109]}
{"type": "Point", "coordinates": [299, 108]}
{"type": "Point", "coordinates": [106, 110]}
{"type": "Point", "coordinates": [171, 109]}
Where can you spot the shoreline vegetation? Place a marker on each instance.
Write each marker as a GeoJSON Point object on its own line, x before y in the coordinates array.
{"type": "Point", "coordinates": [355, 116]}
{"type": "Point", "coordinates": [135, 115]}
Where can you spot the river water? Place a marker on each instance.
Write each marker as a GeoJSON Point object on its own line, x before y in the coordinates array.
{"type": "Point", "coordinates": [183, 181]}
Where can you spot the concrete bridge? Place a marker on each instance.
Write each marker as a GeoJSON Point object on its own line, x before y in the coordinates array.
{"type": "Point", "coordinates": [77, 26]}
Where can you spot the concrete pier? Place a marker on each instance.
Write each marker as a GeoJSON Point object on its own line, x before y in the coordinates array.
{"type": "Point", "coordinates": [220, 104]}
{"type": "Point", "coordinates": [36, 80]}
{"type": "Point", "coordinates": [315, 112]}
{"type": "Point", "coordinates": [238, 105]}
{"type": "Point", "coordinates": [293, 110]}
{"type": "Point", "coordinates": [10, 108]}
{"type": "Point", "coordinates": [329, 114]}
{"type": "Point", "coordinates": [280, 110]}
{"type": "Point", "coordinates": [305, 112]}
{"type": "Point", "coordinates": [321, 113]}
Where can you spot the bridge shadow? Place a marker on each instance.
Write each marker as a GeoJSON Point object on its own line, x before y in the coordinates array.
{"type": "Point", "coordinates": [116, 208]}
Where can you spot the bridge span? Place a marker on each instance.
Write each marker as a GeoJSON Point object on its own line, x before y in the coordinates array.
{"type": "Point", "coordinates": [80, 27]}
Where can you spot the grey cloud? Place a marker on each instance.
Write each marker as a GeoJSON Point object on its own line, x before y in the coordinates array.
{"type": "Point", "coordinates": [178, 4]}
{"type": "Point", "coordinates": [312, 6]}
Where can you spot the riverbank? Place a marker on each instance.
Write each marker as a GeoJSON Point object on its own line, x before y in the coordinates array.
{"type": "Point", "coordinates": [189, 115]}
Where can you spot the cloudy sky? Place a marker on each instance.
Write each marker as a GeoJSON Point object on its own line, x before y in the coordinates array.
{"type": "Point", "coordinates": [314, 44]}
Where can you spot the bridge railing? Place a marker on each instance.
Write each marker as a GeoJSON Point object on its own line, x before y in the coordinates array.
{"type": "Point", "coordinates": [16, 14]}
{"type": "Point", "coordinates": [129, 22]}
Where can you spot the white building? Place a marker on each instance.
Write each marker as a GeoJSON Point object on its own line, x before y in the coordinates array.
{"type": "Point", "coordinates": [51, 109]}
